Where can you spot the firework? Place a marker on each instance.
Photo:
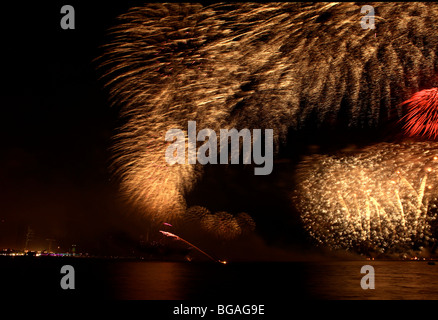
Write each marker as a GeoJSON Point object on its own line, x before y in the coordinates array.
{"type": "Point", "coordinates": [221, 224]}
{"type": "Point", "coordinates": [421, 118]}
{"type": "Point", "coordinates": [196, 213]}
{"type": "Point", "coordinates": [172, 235]}
{"type": "Point", "coordinates": [254, 65]}
{"type": "Point", "coordinates": [383, 198]}
{"type": "Point", "coordinates": [245, 222]}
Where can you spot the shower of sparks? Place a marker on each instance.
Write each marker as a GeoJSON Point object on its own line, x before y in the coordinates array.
{"type": "Point", "coordinates": [222, 224]}
{"type": "Point", "coordinates": [421, 118]}
{"type": "Point", "coordinates": [253, 65]}
{"type": "Point", "coordinates": [383, 198]}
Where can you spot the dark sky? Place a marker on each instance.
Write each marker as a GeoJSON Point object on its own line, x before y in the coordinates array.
{"type": "Point", "coordinates": [56, 128]}
{"type": "Point", "coordinates": [56, 125]}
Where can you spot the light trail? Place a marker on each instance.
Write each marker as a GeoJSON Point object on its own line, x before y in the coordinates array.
{"type": "Point", "coordinates": [172, 235]}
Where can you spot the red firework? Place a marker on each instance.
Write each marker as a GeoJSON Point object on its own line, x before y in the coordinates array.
{"type": "Point", "coordinates": [421, 119]}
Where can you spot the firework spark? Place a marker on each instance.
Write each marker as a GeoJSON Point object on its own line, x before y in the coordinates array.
{"type": "Point", "coordinates": [383, 198]}
{"type": "Point", "coordinates": [254, 65]}
{"type": "Point", "coordinates": [421, 118]}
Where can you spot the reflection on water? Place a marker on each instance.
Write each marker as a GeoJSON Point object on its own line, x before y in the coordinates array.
{"type": "Point", "coordinates": [150, 281]}
{"type": "Point", "coordinates": [393, 280]}
{"type": "Point", "coordinates": [322, 280]}
{"type": "Point", "coordinates": [242, 282]}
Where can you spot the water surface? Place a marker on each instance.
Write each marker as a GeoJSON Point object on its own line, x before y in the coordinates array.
{"type": "Point", "coordinates": [263, 281]}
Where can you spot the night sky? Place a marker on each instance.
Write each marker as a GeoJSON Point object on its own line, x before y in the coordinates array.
{"type": "Point", "coordinates": [56, 129]}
